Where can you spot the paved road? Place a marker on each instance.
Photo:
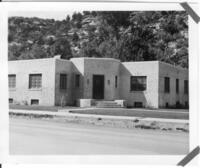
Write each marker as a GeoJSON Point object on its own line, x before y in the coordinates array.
{"type": "Point", "coordinates": [31, 136]}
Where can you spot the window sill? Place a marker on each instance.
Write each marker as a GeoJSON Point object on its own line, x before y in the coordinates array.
{"type": "Point", "coordinates": [63, 90]}
{"type": "Point", "coordinates": [35, 89]}
{"type": "Point", "coordinates": [12, 89]}
{"type": "Point", "coordinates": [137, 91]}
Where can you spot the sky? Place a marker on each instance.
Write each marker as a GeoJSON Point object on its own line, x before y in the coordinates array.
{"type": "Point", "coordinates": [45, 15]}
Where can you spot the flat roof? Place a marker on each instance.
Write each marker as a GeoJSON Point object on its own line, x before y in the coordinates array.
{"type": "Point", "coordinates": [94, 58]}
{"type": "Point", "coordinates": [156, 61]}
{"type": "Point", "coordinates": [38, 59]}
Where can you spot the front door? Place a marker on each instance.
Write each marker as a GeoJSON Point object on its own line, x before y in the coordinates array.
{"type": "Point", "coordinates": [98, 86]}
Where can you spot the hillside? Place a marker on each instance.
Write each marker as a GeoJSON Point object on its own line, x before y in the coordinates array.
{"type": "Point", "coordinates": [128, 36]}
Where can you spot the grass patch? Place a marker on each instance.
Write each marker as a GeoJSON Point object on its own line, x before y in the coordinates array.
{"type": "Point", "coordinates": [135, 113]}
{"type": "Point", "coordinates": [30, 115]}
{"type": "Point", "coordinates": [40, 108]}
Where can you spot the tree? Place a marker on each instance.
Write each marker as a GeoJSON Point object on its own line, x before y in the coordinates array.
{"type": "Point", "coordinates": [89, 50]}
{"type": "Point", "coordinates": [40, 40]}
{"type": "Point", "coordinates": [128, 36]}
{"type": "Point", "coordinates": [75, 37]}
{"type": "Point", "coordinates": [68, 18]}
{"type": "Point", "coordinates": [14, 52]}
{"type": "Point", "coordinates": [62, 47]}
{"type": "Point", "coordinates": [36, 52]}
{"type": "Point", "coordinates": [77, 18]}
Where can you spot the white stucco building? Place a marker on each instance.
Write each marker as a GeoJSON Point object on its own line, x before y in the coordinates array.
{"type": "Point", "coordinates": [82, 81]}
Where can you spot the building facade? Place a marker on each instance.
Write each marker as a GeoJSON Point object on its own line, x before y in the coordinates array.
{"type": "Point", "coordinates": [55, 81]}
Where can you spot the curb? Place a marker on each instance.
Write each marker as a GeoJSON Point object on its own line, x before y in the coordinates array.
{"type": "Point", "coordinates": [110, 121]}
{"type": "Point", "coordinates": [67, 114]}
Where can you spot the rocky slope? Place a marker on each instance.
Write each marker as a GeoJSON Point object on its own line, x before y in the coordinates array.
{"type": "Point", "coordinates": [128, 36]}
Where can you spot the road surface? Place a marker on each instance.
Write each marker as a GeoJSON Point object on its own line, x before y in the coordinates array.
{"type": "Point", "coordinates": [34, 136]}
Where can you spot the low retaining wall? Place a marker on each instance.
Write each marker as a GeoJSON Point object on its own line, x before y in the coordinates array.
{"type": "Point", "coordinates": [84, 102]}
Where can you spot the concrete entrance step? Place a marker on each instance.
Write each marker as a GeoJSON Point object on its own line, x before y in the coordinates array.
{"type": "Point", "coordinates": [107, 104]}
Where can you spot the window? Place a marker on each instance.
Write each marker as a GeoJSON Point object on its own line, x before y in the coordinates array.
{"type": "Point", "coordinates": [34, 101]}
{"type": "Point", "coordinates": [178, 105]}
{"type": "Point", "coordinates": [116, 81]}
{"type": "Point", "coordinates": [186, 86]}
{"type": "Point", "coordinates": [77, 81]}
{"type": "Point", "coordinates": [177, 85]}
{"type": "Point", "coordinates": [63, 81]}
{"type": "Point", "coordinates": [12, 81]}
{"type": "Point", "coordinates": [35, 81]}
{"type": "Point", "coordinates": [88, 81]}
{"type": "Point", "coordinates": [138, 83]}
{"type": "Point", "coordinates": [167, 84]}
{"type": "Point", "coordinates": [138, 104]}
{"type": "Point", "coordinates": [186, 104]}
{"type": "Point", "coordinates": [10, 100]}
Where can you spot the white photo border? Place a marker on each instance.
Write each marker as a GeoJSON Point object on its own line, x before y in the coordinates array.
{"type": "Point", "coordinates": [194, 90]}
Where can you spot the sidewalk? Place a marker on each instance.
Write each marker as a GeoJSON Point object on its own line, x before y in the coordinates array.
{"type": "Point", "coordinates": [65, 113]}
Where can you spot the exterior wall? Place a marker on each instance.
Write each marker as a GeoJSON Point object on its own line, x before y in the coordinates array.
{"type": "Point", "coordinates": [22, 69]}
{"type": "Point", "coordinates": [50, 94]}
{"type": "Point", "coordinates": [63, 67]}
{"type": "Point", "coordinates": [97, 66]}
{"type": "Point", "coordinates": [149, 97]}
{"type": "Point", "coordinates": [167, 70]}
{"type": "Point", "coordinates": [77, 68]}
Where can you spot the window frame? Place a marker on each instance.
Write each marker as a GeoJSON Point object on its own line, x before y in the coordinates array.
{"type": "Point", "coordinates": [63, 83]}
{"type": "Point", "coordinates": [177, 86]}
{"type": "Point", "coordinates": [116, 81]}
{"type": "Point", "coordinates": [138, 84]}
{"type": "Point", "coordinates": [9, 82]}
{"type": "Point", "coordinates": [166, 89]}
{"type": "Point", "coordinates": [33, 102]}
{"type": "Point", "coordinates": [186, 87]}
{"type": "Point", "coordinates": [36, 81]}
{"type": "Point", "coordinates": [138, 104]}
{"type": "Point", "coordinates": [77, 80]}
{"type": "Point", "coordinates": [10, 100]}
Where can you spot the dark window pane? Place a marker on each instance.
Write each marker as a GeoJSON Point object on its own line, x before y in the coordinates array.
{"type": "Point", "coordinates": [12, 81]}
{"type": "Point", "coordinates": [10, 100]}
{"type": "Point", "coordinates": [63, 81]}
{"type": "Point", "coordinates": [34, 101]}
{"type": "Point", "coordinates": [138, 83]}
{"type": "Point", "coordinates": [167, 84]}
{"type": "Point", "coordinates": [77, 80]}
{"type": "Point", "coordinates": [186, 86]}
{"type": "Point", "coordinates": [177, 85]}
{"type": "Point", "coordinates": [116, 81]}
{"type": "Point", "coordinates": [35, 81]}
{"type": "Point", "coordinates": [138, 104]}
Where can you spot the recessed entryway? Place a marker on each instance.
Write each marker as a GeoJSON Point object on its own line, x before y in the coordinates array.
{"type": "Point", "coordinates": [98, 87]}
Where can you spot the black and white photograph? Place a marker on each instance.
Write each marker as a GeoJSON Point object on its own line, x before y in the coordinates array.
{"type": "Point", "coordinates": [95, 82]}
{"type": "Point", "coordinates": [99, 82]}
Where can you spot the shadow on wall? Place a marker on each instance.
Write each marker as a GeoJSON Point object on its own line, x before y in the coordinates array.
{"type": "Point", "coordinates": [176, 104]}
{"type": "Point", "coordinates": [77, 83]}
{"type": "Point", "coordinates": [135, 99]}
{"type": "Point", "coordinates": [74, 89]}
